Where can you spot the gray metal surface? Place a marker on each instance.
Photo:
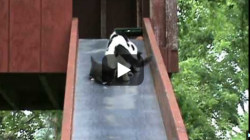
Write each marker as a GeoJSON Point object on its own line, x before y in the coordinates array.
{"type": "Point", "coordinates": [114, 112]}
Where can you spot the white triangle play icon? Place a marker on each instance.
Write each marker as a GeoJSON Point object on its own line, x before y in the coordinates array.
{"type": "Point", "coordinates": [122, 70]}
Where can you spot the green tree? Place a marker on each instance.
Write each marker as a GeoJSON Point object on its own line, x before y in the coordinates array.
{"type": "Point", "coordinates": [30, 125]}
{"type": "Point", "coordinates": [213, 77]}
{"type": "Point", "coordinates": [243, 127]}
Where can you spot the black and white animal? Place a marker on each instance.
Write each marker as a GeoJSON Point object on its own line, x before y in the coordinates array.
{"type": "Point", "coordinates": [119, 49]}
{"type": "Point", "coordinates": [121, 45]}
{"type": "Point", "coordinates": [117, 40]}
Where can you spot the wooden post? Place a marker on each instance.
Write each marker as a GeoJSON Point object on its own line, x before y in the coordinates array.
{"type": "Point", "coordinates": [157, 15]}
{"type": "Point", "coordinates": [139, 12]}
{"type": "Point", "coordinates": [163, 15]}
{"type": "Point", "coordinates": [67, 123]}
{"type": "Point", "coordinates": [172, 35]}
{"type": "Point", "coordinates": [103, 18]}
{"type": "Point", "coordinates": [145, 8]}
{"type": "Point", "coordinates": [4, 35]}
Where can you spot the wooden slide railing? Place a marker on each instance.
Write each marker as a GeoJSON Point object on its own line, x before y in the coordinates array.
{"type": "Point", "coordinates": [174, 126]}
{"type": "Point", "coordinates": [70, 83]}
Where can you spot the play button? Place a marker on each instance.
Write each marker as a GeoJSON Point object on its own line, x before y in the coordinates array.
{"type": "Point", "coordinates": [121, 70]}
{"type": "Point", "coordinates": [116, 69]}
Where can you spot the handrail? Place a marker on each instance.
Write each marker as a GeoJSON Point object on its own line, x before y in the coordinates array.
{"type": "Point", "coordinates": [67, 123]}
{"type": "Point", "coordinates": [173, 122]}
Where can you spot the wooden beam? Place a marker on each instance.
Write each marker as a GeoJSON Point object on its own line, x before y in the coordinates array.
{"type": "Point", "coordinates": [145, 8]}
{"type": "Point", "coordinates": [68, 110]}
{"type": "Point", "coordinates": [4, 35]}
{"type": "Point", "coordinates": [172, 35]}
{"type": "Point", "coordinates": [8, 99]}
{"type": "Point", "coordinates": [49, 91]}
{"type": "Point", "coordinates": [163, 15]}
{"type": "Point", "coordinates": [103, 18]}
{"type": "Point", "coordinates": [171, 24]}
{"type": "Point", "coordinates": [157, 16]}
{"type": "Point", "coordinates": [171, 114]}
{"type": "Point", "coordinates": [139, 12]}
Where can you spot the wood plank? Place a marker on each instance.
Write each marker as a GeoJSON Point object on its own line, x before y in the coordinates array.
{"type": "Point", "coordinates": [157, 16]}
{"type": "Point", "coordinates": [4, 35]}
{"type": "Point", "coordinates": [139, 12]}
{"type": "Point", "coordinates": [89, 14]}
{"type": "Point", "coordinates": [70, 84]}
{"type": "Point", "coordinates": [172, 35]}
{"type": "Point", "coordinates": [120, 13]}
{"type": "Point", "coordinates": [174, 61]}
{"type": "Point", "coordinates": [163, 15]}
{"type": "Point", "coordinates": [24, 36]}
{"type": "Point", "coordinates": [158, 19]}
{"type": "Point", "coordinates": [171, 24]}
{"type": "Point", "coordinates": [173, 122]}
{"type": "Point", "coordinates": [56, 21]}
{"type": "Point", "coordinates": [145, 8]}
{"type": "Point", "coordinates": [103, 18]}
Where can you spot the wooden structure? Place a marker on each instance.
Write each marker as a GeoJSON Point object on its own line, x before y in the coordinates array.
{"type": "Point", "coordinates": [39, 40]}
{"type": "Point", "coordinates": [34, 35]}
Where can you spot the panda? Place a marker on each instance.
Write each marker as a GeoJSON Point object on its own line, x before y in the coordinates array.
{"type": "Point", "coordinates": [118, 40]}
{"type": "Point", "coordinates": [119, 49]}
{"type": "Point", "coordinates": [124, 51]}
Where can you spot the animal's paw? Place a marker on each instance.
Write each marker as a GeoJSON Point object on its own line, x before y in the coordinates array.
{"type": "Point", "coordinates": [105, 83]}
{"type": "Point", "coordinates": [130, 74]}
{"type": "Point", "coordinates": [125, 78]}
{"type": "Point", "coordinates": [91, 78]}
{"type": "Point", "coordinates": [136, 69]}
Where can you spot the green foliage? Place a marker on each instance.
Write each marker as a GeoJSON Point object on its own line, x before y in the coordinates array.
{"type": "Point", "coordinates": [30, 125]}
{"type": "Point", "coordinates": [213, 45]}
{"type": "Point", "coordinates": [244, 127]}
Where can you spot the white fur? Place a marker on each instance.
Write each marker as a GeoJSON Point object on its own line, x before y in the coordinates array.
{"type": "Point", "coordinates": [119, 40]}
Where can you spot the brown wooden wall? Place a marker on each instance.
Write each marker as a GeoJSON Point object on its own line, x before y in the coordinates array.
{"type": "Point", "coordinates": [34, 35]}
{"type": "Point", "coordinates": [4, 35]}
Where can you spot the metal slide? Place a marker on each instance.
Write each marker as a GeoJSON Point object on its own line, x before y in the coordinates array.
{"type": "Point", "coordinates": [114, 112]}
